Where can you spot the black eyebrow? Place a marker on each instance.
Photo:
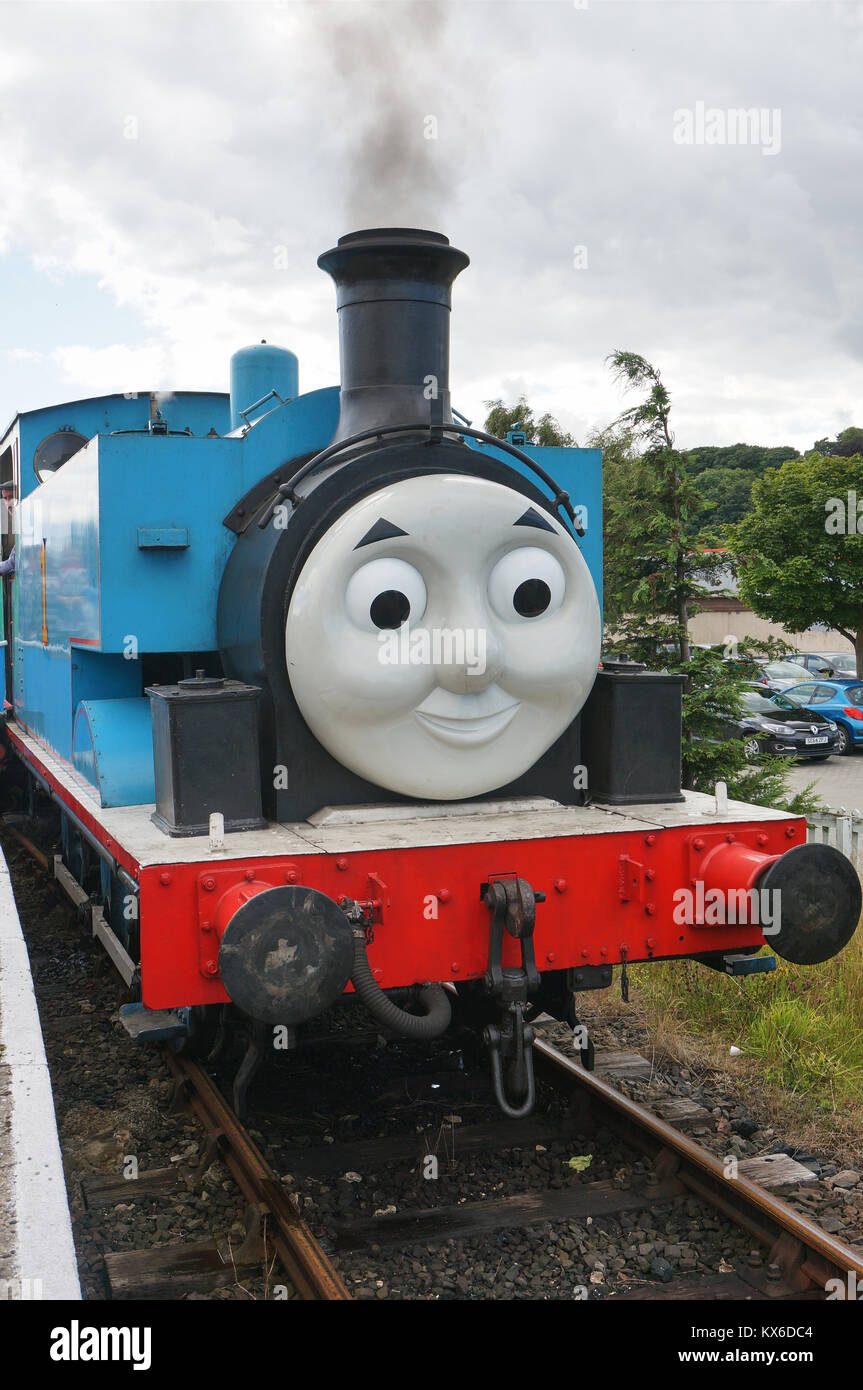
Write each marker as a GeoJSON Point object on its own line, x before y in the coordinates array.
{"type": "Point", "coordinates": [382, 530]}
{"type": "Point", "coordinates": [533, 518]}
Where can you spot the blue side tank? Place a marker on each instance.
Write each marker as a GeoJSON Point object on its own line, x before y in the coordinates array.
{"type": "Point", "coordinates": [260, 372]}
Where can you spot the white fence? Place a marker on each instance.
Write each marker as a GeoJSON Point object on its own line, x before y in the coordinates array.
{"type": "Point", "coordinates": [841, 828]}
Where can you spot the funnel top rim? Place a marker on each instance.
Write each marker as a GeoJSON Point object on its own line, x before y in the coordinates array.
{"type": "Point", "coordinates": [380, 250]}
{"type": "Point", "coordinates": [412, 235]}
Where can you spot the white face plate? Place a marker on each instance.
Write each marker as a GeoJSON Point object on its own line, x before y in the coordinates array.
{"type": "Point", "coordinates": [497, 654]}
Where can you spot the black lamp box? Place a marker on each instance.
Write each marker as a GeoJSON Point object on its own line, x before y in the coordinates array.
{"type": "Point", "coordinates": [631, 735]}
{"type": "Point", "coordinates": [206, 755]}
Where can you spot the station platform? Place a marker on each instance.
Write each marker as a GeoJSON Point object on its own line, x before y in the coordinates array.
{"type": "Point", "coordinates": [37, 1252]}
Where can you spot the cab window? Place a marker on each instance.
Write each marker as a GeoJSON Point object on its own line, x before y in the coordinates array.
{"type": "Point", "coordinates": [54, 451]}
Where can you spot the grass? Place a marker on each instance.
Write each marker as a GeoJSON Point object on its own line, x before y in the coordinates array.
{"type": "Point", "coordinates": [799, 1030]}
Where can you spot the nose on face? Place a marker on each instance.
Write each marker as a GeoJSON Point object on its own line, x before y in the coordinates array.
{"type": "Point", "coordinates": [468, 660]}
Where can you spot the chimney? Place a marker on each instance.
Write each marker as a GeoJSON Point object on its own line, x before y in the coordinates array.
{"type": "Point", "coordinates": [393, 294]}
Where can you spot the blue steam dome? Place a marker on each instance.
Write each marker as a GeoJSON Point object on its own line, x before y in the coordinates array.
{"type": "Point", "coordinates": [256, 372]}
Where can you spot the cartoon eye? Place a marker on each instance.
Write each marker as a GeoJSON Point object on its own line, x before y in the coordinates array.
{"type": "Point", "coordinates": [384, 594]}
{"type": "Point", "coordinates": [528, 582]}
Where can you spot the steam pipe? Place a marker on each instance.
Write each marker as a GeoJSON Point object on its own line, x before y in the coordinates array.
{"type": "Point", "coordinates": [422, 1027]}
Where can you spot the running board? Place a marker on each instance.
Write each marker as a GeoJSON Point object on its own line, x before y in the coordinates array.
{"type": "Point", "coordinates": [100, 928]}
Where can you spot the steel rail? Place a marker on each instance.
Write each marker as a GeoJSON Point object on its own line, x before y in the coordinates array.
{"type": "Point", "coordinates": [305, 1263]}
{"type": "Point", "coordinates": [28, 845]}
{"type": "Point", "coordinates": [765, 1215]}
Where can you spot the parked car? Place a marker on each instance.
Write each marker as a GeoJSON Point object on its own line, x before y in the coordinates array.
{"type": "Point", "coordinates": [829, 664]}
{"type": "Point", "coordinates": [772, 722]}
{"type": "Point", "coordinates": [841, 701]}
{"type": "Point", "coordinates": [813, 662]}
{"type": "Point", "coordinates": [843, 663]}
{"type": "Point", "coordinates": [778, 675]}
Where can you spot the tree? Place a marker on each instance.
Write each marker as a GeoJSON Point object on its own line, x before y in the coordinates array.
{"type": "Point", "coordinates": [726, 495]}
{"type": "Point", "coordinates": [845, 445]}
{"type": "Point", "coordinates": [753, 459]}
{"type": "Point", "coordinates": [639, 491]}
{"type": "Point", "coordinates": [711, 699]}
{"type": "Point", "coordinates": [628, 504]}
{"type": "Point", "coordinates": [546, 431]}
{"type": "Point", "coordinates": [651, 530]}
{"type": "Point", "coordinates": [800, 552]}
{"type": "Point", "coordinates": [724, 477]}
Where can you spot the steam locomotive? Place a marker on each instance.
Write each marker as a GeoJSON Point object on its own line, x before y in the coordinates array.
{"type": "Point", "coordinates": [314, 682]}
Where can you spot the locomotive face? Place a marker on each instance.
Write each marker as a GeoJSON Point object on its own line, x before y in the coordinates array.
{"type": "Point", "coordinates": [442, 635]}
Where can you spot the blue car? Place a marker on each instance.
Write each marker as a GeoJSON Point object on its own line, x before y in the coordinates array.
{"type": "Point", "coordinates": [839, 700]}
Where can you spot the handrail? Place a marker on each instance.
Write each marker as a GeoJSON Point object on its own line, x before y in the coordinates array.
{"type": "Point", "coordinates": [254, 406]}
{"type": "Point", "coordinates": [435, 432]}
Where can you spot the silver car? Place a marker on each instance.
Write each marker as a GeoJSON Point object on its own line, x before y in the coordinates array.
{"type": "Point", "coordinates": [830, 664]}
{"type": "Point", "coordinates": [778, 675]}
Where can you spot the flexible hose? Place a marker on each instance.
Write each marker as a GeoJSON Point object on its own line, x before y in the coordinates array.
{"type": "Point", "coordinates": [433, 998]}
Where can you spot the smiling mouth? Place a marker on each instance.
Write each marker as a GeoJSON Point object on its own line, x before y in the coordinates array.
{"type": "Point", "coordinates": [466, 719]}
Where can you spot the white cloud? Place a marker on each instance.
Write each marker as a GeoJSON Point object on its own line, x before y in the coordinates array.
{"type": "Point", "coordinates": [269, 127]}
{"type": "Point", "coordinates": [24, 355]}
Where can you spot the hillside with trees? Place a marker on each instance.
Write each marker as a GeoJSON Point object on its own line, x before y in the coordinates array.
{"type": "Point", "coordinates": [724, 476]}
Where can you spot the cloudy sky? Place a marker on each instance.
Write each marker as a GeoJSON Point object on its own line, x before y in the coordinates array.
{"type": "Point", "coordinates": [170, 171]}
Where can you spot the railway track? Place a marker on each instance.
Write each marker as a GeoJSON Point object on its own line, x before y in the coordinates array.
{"type": "Point", "coordinates": [802, 1257]}
{"type": "Point", "coordinates": [278, 1225]}
{"type": "Point", "coordinates": [789, 1257]}
{"type": "Point", "coordinates": [795, 1258]}
{"type": "Point", "coordinates": [276, 1235]}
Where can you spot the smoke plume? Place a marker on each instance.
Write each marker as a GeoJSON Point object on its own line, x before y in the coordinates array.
{"type": "Point", "coordinates": [391, 66]}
